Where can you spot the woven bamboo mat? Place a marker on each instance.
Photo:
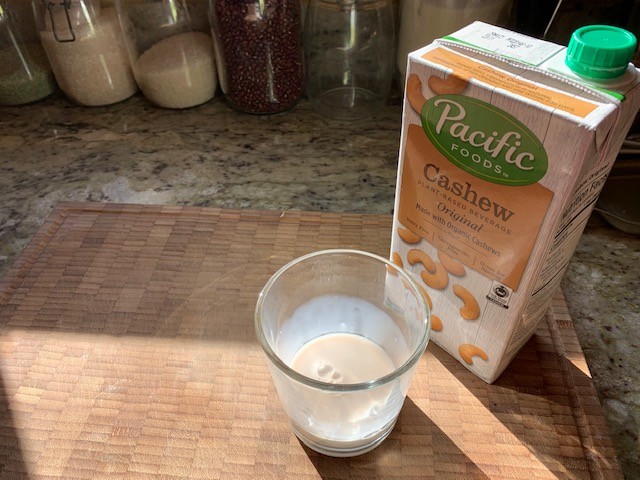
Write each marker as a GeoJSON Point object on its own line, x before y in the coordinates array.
{"type": "Point", "coordinates": [127, 350]}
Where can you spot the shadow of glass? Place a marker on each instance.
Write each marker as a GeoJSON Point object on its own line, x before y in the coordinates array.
{"type": "Point", "coordinates": [12, 463]}
{"type": "Point", "coordinates": [408, 452]}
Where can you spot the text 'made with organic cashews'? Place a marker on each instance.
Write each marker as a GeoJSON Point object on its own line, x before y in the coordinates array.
{"type": "Point", "coordinates": [502, 157]}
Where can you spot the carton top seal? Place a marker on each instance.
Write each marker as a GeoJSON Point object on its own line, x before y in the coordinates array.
{"type": "Point", "coordinates": [518, 65]}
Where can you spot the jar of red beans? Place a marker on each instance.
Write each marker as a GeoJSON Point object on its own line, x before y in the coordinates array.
{"type": "Point", "coordinates": [258, 48]}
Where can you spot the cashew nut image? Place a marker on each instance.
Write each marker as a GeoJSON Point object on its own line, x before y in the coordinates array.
{"type": "Point", "coordinates": [397, 259]}
{"type": "Point", "coordinates": [450, 85]}
{"type": "Point", "coordinates": [426, 296]}
{"type": "Point", "coordinates": [436, 323]}
{"type": "Point", "coordinates": [414, 92]}
{"type": "Point", "coordinates": [467, 351]}
{"type": "Point", "coordinates": [414, 256]}
{"type": "Point", "coordinates": [452, 266]}
{"type": "Point", "coordinates": [470, 309]}
{"type": "Point", "coordinates": [408, 236]}
{"type": "Point", "coordinates": [438, 280]}
{"type": "Point", "coordinates": [422, 290]}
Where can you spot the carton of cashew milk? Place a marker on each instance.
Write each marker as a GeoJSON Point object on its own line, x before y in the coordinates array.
{"type": "Point", "coordinates": [502, 157]}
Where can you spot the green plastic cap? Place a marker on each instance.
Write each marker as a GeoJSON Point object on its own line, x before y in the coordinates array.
{"type": "Point", "coordinates": [600, 51]}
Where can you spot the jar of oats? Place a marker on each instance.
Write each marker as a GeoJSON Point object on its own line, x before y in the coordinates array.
{"type": "Point", "coordinates": [258, 49]}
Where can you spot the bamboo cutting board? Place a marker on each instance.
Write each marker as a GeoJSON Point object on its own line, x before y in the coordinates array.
{"type": "Point", "coordinates": [127, 350]}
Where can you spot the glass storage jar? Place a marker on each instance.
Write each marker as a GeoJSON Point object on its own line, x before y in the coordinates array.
{"type": "Point", "coordinates": [25, 75]}
{"type": "Point", "coordinates": [349, 46]}
{"type": "Point", "coordinates": [86, 50]}
{"type": "Point", "coordinates": [422, 21]}
{"type": "Point", "coordinates": [258, 47]}
{"type": "Point", "coordinates": [170, 49]}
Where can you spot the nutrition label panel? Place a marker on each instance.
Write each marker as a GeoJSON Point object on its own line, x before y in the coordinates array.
{"type": "Point", "coordinates": [566, 239]}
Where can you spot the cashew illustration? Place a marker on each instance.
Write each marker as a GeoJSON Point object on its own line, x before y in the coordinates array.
{"type": "Point", "coordinates": [450, 85]}
{"type": "Point", "coordinates": [438, 280]}
{"type": "Point", "coordinates": [397, 259]}
{"type": "Point", "coordinates": [408, 236]}
{"type": "Point", "coordinates": [426, 296]}
{"type": "Point", "coordinates": [414, 92]}
{"type": "Point", "coordinates": [422, 290]}
{"type": "Point", "coordinates": [470, 309]}
{"type": "Point", "coordinates": [452, 266]}
{"type": "Point", "coordinates": [467, 351]}
{"type": "Point", "coordinates": [436, 323]}
{"type": "Point", "coordinates": [414, 256]}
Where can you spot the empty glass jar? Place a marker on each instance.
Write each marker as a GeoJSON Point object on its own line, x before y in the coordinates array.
{"type": "Point", "coordinates": [25, 74]}
{"type": "Point", "coordinates": [86, 50]}
{"type": "Point", "coordinates": [170, 49]}
{"type": "Point", "coordinates": [349, 47]}
{"type": "Point", "coordinates": [259, 53]}
{"type": "Point", "coordinates": [422, 21]}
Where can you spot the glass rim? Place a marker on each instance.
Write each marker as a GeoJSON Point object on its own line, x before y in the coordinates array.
{"type": "Point", "coordinates": [342, 387]}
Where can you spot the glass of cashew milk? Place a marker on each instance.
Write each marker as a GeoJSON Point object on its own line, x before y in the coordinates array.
{"type": "Point", "coordinates": [343, 331]}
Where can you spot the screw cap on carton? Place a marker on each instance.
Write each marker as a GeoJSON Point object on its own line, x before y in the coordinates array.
{"type": "Point", "coordinates": [600, 51]}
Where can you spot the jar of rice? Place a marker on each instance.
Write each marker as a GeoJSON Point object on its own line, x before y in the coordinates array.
{"type": "Point", "coordinates": [170, 50]}
{"type": "Point", "coordinates": [86, 49]}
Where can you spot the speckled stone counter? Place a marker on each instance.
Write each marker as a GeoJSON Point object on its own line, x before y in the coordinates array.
{"type": "Point", "coordinates": [213, 156]}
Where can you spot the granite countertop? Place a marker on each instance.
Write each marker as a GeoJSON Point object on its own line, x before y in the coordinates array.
{"type": "Point", "coordinates": [213, 156]}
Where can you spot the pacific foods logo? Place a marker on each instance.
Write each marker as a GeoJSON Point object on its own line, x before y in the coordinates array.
{"type": "Point", "coordinates": [483, 140]}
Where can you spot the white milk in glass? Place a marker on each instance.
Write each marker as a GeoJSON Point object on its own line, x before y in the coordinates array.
{"type": "Point", "coordinates": [344, 340]}
{"type": "Point", "coordinates": [342, 358]}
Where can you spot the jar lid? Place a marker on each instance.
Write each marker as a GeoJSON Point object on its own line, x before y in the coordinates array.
{"type": "Point", "coordinates": [600, 51]}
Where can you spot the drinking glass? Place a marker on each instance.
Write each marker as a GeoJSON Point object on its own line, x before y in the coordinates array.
{"type": "Point", "coordinates": [342, 331]}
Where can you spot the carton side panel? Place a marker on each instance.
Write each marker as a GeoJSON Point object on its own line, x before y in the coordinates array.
{"type": "Point", "coordinates": [478, 248]}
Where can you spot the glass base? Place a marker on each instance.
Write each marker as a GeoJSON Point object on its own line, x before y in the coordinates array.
{"type": "Point", "coordinates": [346, 103]}
{"type": "Point", "coordinates": [350, 448]}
